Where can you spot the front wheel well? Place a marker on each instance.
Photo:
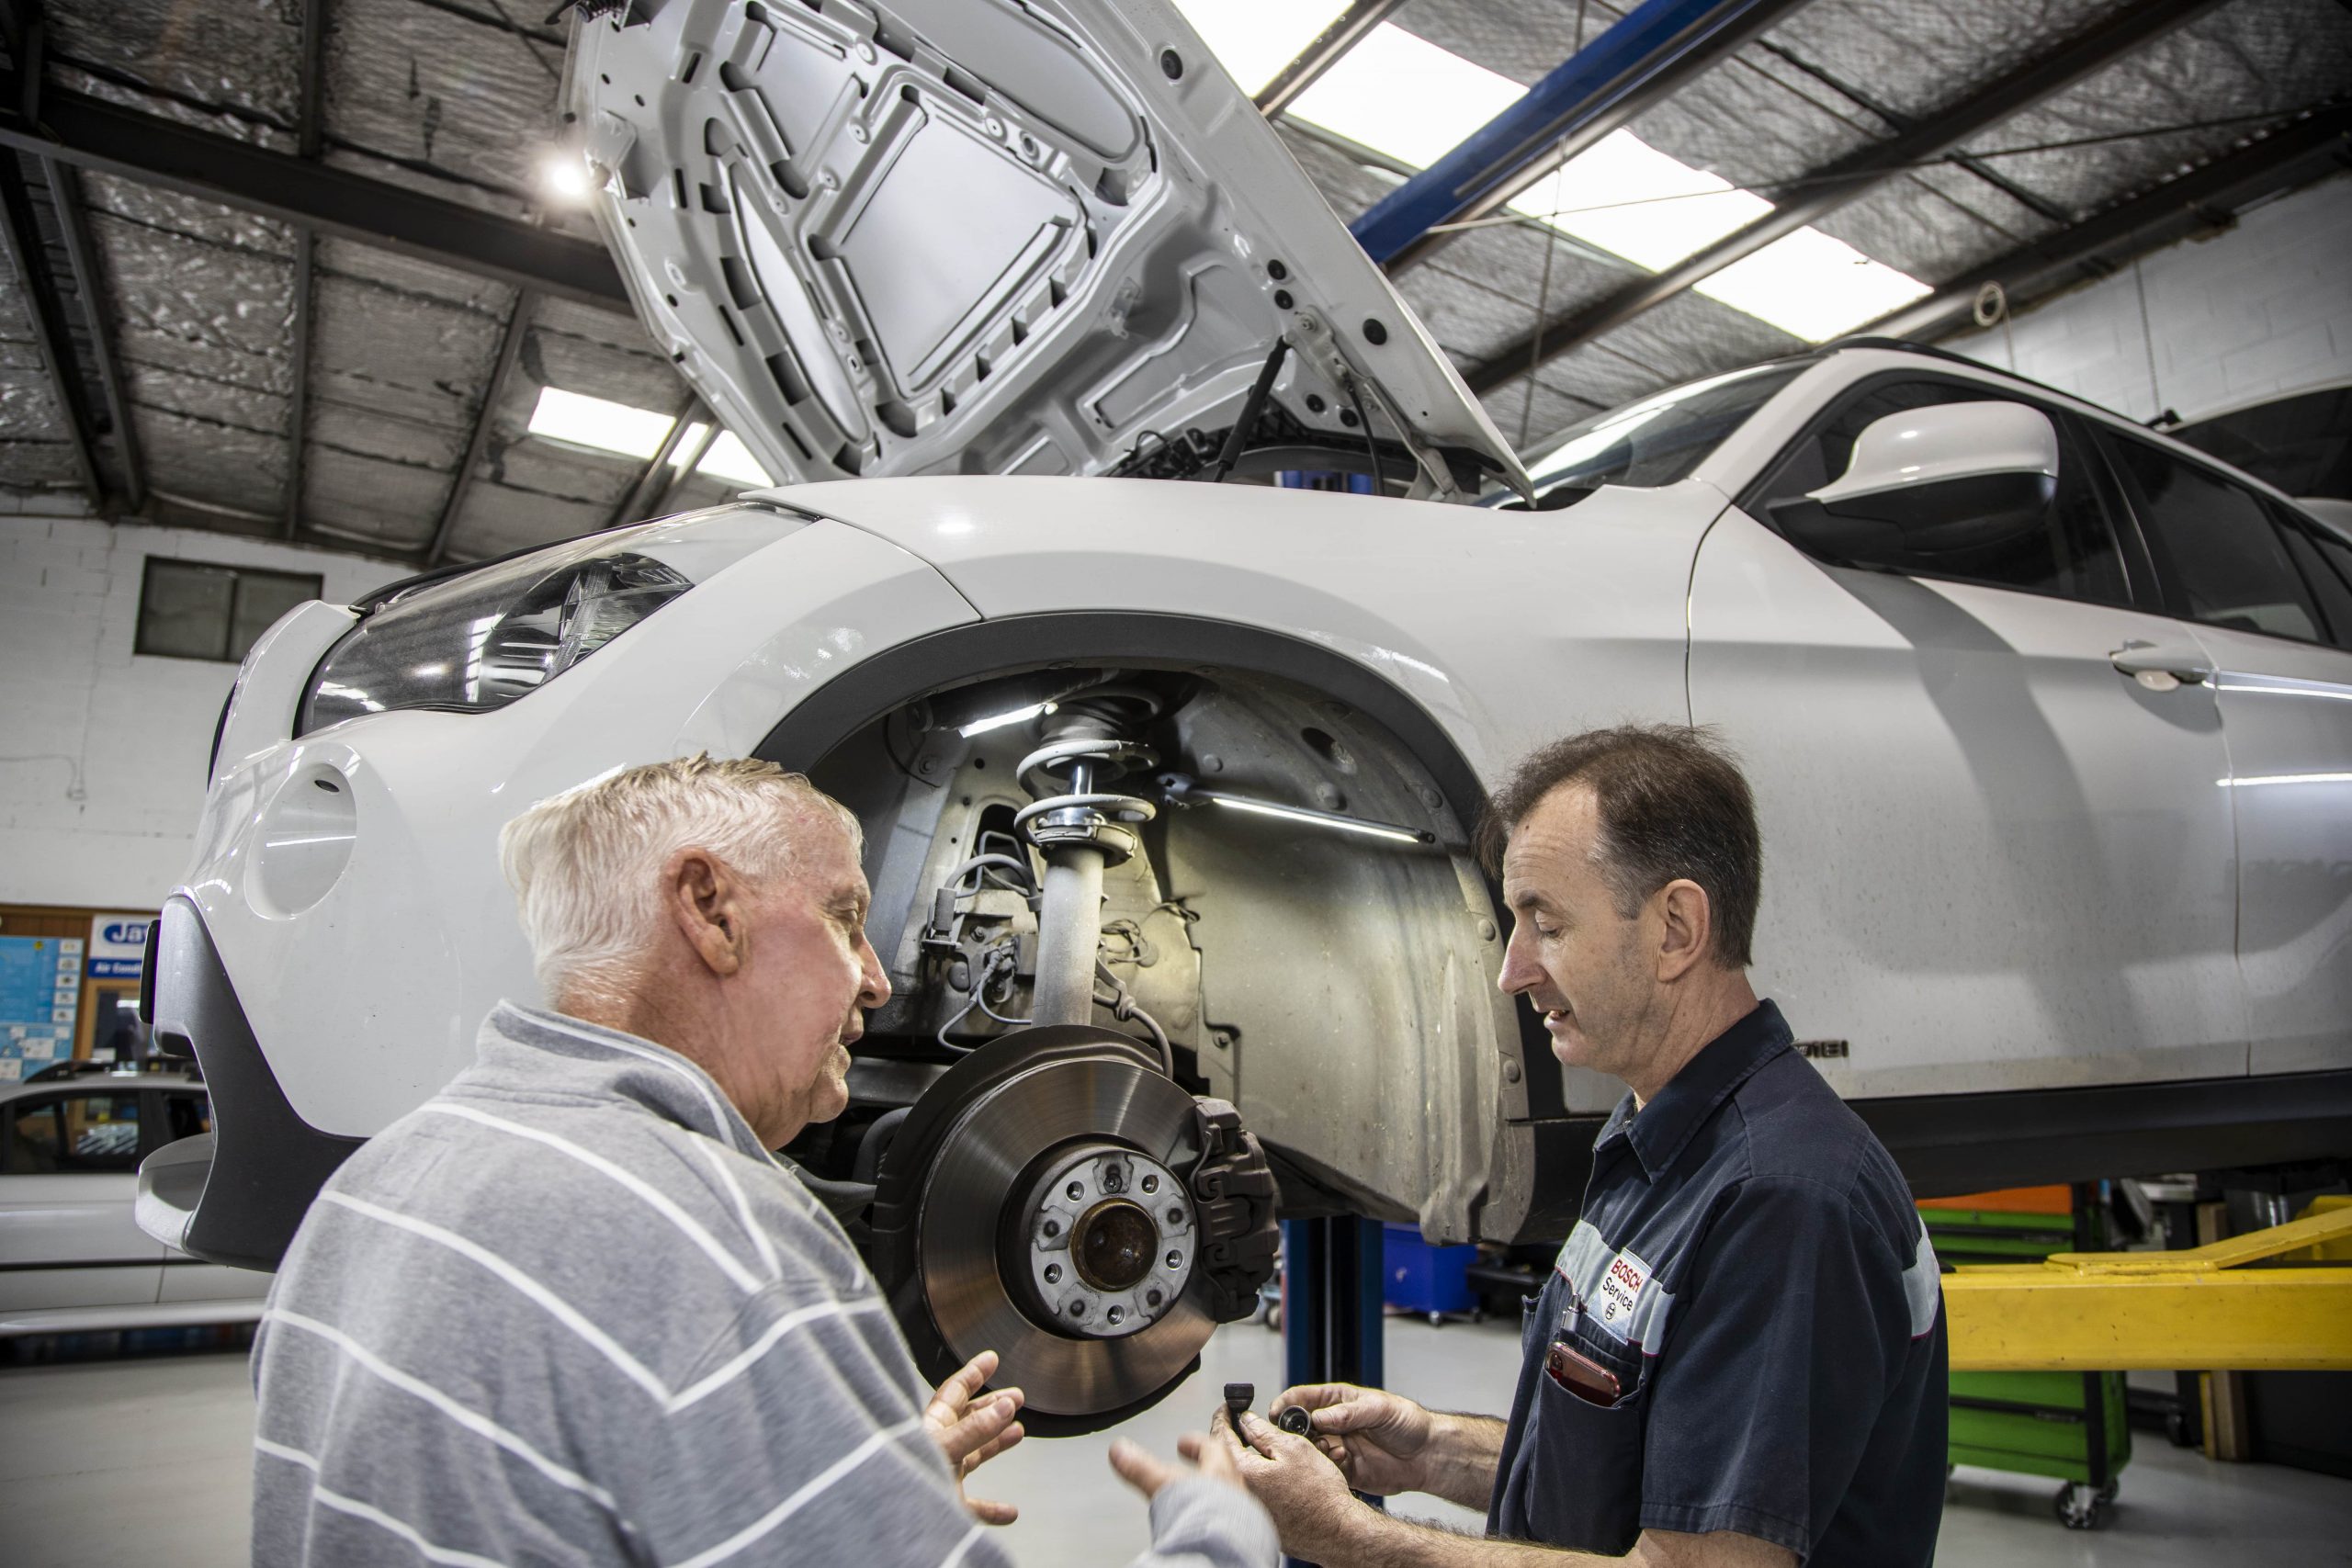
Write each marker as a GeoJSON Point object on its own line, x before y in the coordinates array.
{"type": "Point", "coordinates": [1342, 992]}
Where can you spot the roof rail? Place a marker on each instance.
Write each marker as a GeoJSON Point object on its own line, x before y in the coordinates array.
{"type": "Point", "coordinates": [1932, 350]}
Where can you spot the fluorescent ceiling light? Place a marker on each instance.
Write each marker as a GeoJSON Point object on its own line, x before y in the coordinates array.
{"type": "Point", "coordinates": [638, 432]}
{"type": "Point", "coordinates": [1253, 40]}
{"type": "Point", "coordinates": [1405, 96]}
{"type": "Point", "coordinates": [596, 421]}
{"type": "Point", "coordinates": [1813, 286]}
{"type": "Point", "coordinates": [728, 459]}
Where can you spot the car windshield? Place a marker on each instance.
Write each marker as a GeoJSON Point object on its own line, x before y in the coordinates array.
{"type": "Point", "coordinates": [1656, 440]}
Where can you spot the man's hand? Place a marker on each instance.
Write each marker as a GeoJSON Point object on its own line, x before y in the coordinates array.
{"type": "Point", "coordinates": [1147, 1473]}
{"type": "Point", "coordinates": [971, 1434]}
{"type": "Point", "coordinates": [1298, 1484]}
{"type": "Point", "coordinates": [1379, 1440]}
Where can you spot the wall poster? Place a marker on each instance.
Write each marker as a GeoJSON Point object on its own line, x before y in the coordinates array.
{"type": "Point", "coordinates": [40, 998]}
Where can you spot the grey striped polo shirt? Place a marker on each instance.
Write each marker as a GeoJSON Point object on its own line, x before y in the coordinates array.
{"type": "Point", "coordinates": [568, 1310]}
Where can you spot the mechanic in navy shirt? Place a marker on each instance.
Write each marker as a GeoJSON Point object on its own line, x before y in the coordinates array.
{"type": "Point", "coordinates": [1739, 1358]}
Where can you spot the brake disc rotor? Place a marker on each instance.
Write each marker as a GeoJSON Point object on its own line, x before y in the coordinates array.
{"type": "Point", "coordinates": [1037, 1239]}
{"type": "Point", "coordinates": [1055, 1198]}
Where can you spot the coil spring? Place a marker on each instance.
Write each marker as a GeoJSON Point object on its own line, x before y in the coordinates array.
{"type": "Point", "coordinates": [1115, 756]}
{"type": "Point", "coordinates": [1065, 774]}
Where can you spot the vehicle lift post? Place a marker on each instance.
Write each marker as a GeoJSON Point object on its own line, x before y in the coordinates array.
{"type": "Point", "coordinates": [2273, 1300]}
{"type": "Point", "coordinates": [2204, 1309]}
{"type": "Point", "coordinates": [1332, 1325]}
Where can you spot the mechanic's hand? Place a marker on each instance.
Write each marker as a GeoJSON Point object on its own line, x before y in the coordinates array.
{"type": "Point", "coordinates": [1379, 1440]}
{"type": "Point", "coordinates": [1303, 1491]}
{"type": "Point", "coordinates": [971, 1435]}
{"type": "Point", "coordinates": [1147, 1473]}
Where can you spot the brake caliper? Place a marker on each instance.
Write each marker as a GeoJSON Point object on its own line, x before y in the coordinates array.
{"type": "Point", "coordinates": [1233, 1191]}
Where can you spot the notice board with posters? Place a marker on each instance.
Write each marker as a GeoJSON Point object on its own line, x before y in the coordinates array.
{"type": "Point", "coordinates": [41, 1000]}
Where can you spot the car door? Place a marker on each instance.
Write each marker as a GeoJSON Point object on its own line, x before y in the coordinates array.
{"type": "Point", "coordinates": [1993, 861]}
{"type": "Point", "coordinates": [2269, 596]}
{"type": "Point", "coordinates": [68, 1176]}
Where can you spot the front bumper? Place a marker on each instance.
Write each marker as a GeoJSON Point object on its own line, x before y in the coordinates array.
{"type": "Point", "coordinates": [234, 1195]}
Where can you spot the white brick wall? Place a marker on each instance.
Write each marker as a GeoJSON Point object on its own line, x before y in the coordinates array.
{"type": "Point", "coordinates": [2263, 308]}
{"type": "Point", "coordinates": [102, 753]}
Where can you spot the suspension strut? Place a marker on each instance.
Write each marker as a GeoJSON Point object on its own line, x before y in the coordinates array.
{"type": "Point", "coordinates": [1082, 828]}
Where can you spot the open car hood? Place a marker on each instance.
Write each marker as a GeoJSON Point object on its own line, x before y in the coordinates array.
{"type": "Point", "coordinates": [983, 236]}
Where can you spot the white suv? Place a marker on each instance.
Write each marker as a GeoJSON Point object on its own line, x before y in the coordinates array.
{"type": "Point", "coordinates": [1167, 787]}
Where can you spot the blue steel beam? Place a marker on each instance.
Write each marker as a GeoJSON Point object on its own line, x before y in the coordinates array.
{"type": "Point", "coordinates": [1653, 50]}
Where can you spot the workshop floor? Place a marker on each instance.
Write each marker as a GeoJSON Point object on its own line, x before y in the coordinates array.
{"type": "Point", "coordinates": [144, 1459]}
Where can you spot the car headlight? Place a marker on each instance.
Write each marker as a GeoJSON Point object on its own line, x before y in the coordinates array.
{"type": "Point", "coordinates": [477, 641]}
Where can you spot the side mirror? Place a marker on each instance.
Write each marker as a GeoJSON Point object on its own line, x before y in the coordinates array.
{"type": "Point", "coordinates": [1953, 477]}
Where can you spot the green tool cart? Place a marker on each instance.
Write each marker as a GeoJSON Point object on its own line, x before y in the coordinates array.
{"type": "Point", "coordinates": [2069, 1425]}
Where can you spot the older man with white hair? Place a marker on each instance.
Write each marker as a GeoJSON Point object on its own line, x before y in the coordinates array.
{"type": "Point", "coordinates": [572, 1311]}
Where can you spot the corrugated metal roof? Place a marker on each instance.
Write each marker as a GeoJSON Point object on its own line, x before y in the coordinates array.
{"type": "Point", "coordinates": [458, 98]}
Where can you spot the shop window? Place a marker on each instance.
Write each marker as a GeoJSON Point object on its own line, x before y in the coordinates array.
{"type": "Point", "coordinates": [197, 610]}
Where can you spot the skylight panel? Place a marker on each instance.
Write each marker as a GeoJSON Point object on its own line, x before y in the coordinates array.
{"type": "Point", "coordinates": [1813, 286]}
{"type": "Point", "coordinates": [1253, 40]}
{"type": "Point", "coordinates": [1405, 96]}
{"type": "Point", "coordinates": [596, 421]}
{"type": "Point", "coordinates": [1633, 200]}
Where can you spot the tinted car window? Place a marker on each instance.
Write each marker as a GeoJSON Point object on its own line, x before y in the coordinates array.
{"type": "Point", "coordinates": [189, 1114]}
{"type": "Point", "coordinates": [2074, 555]}
{"type": "Point", "coordinates": [79, 1132]}
{"type": "Point", "coordinates": [2228, 566]}
{"type": "Point", "coordinates": [2300, 443]}
{"type": "Point", "coordinates": [2326, 564]}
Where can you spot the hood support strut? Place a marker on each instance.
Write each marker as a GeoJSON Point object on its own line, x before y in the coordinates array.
{"type": "Point", "coordinates": [1245, 424]}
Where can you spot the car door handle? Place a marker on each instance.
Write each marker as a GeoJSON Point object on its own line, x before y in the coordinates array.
{"type": "Point", "coordinates": [2161, 666]}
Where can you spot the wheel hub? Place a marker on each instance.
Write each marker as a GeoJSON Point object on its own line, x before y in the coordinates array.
{"type": "Point", "coordinates": [1108, 1245]}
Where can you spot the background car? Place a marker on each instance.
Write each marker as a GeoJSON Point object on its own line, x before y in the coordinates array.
{"type": "Point", "coordinates": [71, 1259]}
